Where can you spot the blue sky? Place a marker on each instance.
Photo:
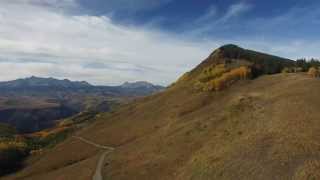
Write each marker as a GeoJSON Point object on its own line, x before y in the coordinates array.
{"type": "Point", "coordinates": [112, 41]}
{"type": "Point", "coordinates": [273, 18]}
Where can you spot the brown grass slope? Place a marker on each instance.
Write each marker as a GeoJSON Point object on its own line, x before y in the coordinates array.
{"type": "Point", "coordinates": [266, 128]}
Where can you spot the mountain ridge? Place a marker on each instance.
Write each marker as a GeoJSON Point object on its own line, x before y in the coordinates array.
{"type": "Point", "coordinates": [50, 81]}
{"type": "Point", "coordinates": [40, 86]}
{"type": "Point", "coordinates": [34, 103]}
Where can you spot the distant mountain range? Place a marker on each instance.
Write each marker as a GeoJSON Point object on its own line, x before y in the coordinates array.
{"type": "Point", "coordinates": [141, 84]}
{"type": "Point", "coordinates": [43, 82]}
{"type": "Point", "coordinates": [38, 86]}
{"type": "Point", "coordinates": [34, 103]}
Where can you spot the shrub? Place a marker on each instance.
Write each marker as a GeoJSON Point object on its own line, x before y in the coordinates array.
{"type": "Point", "coordinates": [313, 72]}
{"type": "Point", "coordinates": [230, 77]}
{"type": "Point", "coordinates": [212, 73]}
{"type": "Point", "coordinates": [218, 78]}
{"type": "Point", "coordinates": [48, 138]}
{"type": "Point", "coordinates": [287, 70]}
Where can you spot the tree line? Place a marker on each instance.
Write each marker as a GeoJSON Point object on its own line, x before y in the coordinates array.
{"type": "Point", "coordinates": [305, 64]}
{"type": "Point", "coordinates": [312, 66]}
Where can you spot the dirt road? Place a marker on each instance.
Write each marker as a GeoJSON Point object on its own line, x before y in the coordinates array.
{"type": "Point", "coordinates": [98, 173]}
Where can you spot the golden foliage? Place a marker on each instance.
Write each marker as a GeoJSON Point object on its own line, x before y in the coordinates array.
{"type": "Point", "coordinates": [46, 133]}
{"type": "Point", "coordinates": [287, 70]}
{"type": "Point", "coordinates": [228, 78]}
{"type": "Point", "coordinates": [225, 79]}
{"type": "Point", "coordinates": [313, 72]}
{"type": "Point", "coordinates": [212, 72]}
{"type": "Point", "coordinates": [12, 145]}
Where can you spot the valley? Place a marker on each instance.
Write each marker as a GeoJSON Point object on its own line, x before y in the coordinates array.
{"type": "Point", "coordinates": [36, 113]}
{"type": "Point", "coordinates": [33, 104]}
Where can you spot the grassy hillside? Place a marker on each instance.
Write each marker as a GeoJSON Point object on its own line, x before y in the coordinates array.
{"type": "Point", "coordinates": [240, 133]}
{"type": "Point", "coordinates": [264, 128]}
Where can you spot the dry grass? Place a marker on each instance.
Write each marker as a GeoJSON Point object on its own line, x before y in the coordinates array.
{"type": "Point", "coordinates": [313, 72]}
{"type": "Point", "coordinates": [267, 128]}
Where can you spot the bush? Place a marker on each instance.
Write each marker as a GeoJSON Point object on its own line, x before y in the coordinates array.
{"type": "Point", "coordinates": [48, 138]}
{"type": "Point", "coordinates": [212, 73]}
{"type": "Point", "coordinates": [313, 72]}
{"type": "Point", "coordinates": [219, 81]}
{"type": "Point", "coordinates": [287, 70]}
{"type": "Point", "coordinates": [230, 77]}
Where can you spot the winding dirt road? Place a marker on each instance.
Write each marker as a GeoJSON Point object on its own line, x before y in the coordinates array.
{"type": "Point", "coordinates": [98, 173]}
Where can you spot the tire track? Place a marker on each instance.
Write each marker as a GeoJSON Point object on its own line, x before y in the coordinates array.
{"type": "Point", "coordinates": [98, 172]}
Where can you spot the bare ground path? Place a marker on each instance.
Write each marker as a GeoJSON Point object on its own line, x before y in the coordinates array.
{"type": "Point", "coordinates": [98, 175]}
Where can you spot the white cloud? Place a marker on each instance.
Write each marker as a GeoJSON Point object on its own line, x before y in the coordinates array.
{"type": "Point", "coordinates": [55, 44]}
{"type": "Point", "coordinates": [236, 10]}
{"type": "Point", "coordinates": [123, 6]}
{"type": "Point", "coordinates": [52, 4]}
{"type": "Point", "coordinates": [41, 2]}
{"type": "Point", "coordinates": [211, 20]}
{"type": "Point", "coordinates": [209, 15]}
{"type": "Point", "coordinates": [37, 39]}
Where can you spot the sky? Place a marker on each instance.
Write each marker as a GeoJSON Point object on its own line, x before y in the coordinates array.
{"type": "Point", "coordinates": [108, 42]}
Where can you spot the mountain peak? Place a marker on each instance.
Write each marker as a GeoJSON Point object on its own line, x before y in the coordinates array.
{"type": "Point", "coordinates": [230, 47]}
{"type": "Point", "coordinates": [231, 56]}
{"type": "Point", "coordinates": [33, 78]}
{"type": "Point", "coordinates": [228, 51]}
{"type": "Point", "coordinates": [140, 84]}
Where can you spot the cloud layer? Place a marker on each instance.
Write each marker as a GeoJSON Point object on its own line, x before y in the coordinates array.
{"type": "Point", "coordinates": [123, 6]}
{"type": "Point", "coordinates": [38, 41]}
{"type": "Point", "coordinates": [51, 38]}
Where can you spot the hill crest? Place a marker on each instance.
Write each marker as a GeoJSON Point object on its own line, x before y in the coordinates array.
{"type": "Point", "coordinates": [229, 57]}
{"type": "Point", "coordinates": [262, 62]}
